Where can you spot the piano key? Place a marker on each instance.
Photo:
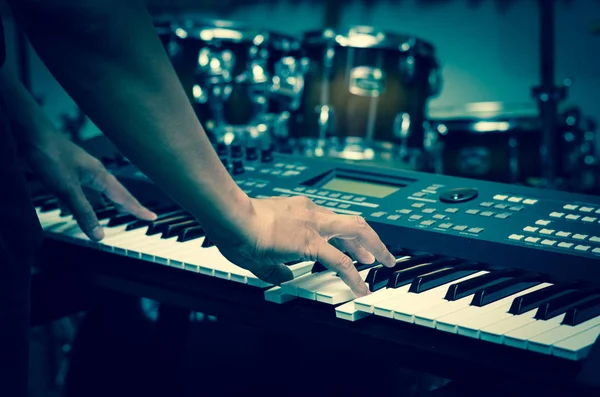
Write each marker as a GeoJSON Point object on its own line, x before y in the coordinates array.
{"type": "Point", "coordinates": [348, 312]}
{"type": "Point", "coordinates": [144, 224]}
{"type": "Point", "coordinates": [543, 342]}
{"type": "Point", "coordinates": [407, 275]}
{"type": "Point", "coordinates": [336, 291]}
{"type": "Point", "coordinates": [429, 317]}
{"type": "Point", "coordinates": [380, 276]}
{"type": "Point", "coordinates": [159, 226]}
{"type": "Point", "coordinates": [51, 204]}
{"type": "Point", "coordinates": [510, 287]}
{"type": "Point", "coordinates": [495, 332]}
{"type": "Point", "coordinates": [191, 233]}
{"type": "Point", "coordinates": [175, 229]}
{"type": "Point", "coordinates": [106, 212]}
{"type": "Point", "coordinates": [367, 303]}
{"type": "Point", "coordinates": [583, 312]}
{"type": "Point", "coordinates": [121, 219]}
{"type": "Point", "coordinates": [292, 287]}
{"type": "Point", "coordinates": [39, 200]}
{"type": "Point", "coordinates": [404, 308]}
{"type": "Point", "coordinates": [519, 337]}
{"type": "Point", "coordinates": [463, 318]}
{"type": "Point", "coordinates": [577, 346]}
{"type": "Point", "coordinates": [443, 276]}
{"type": "Point", "coordinates": [561, 304]}
{"type": "Point", "coordinates": [527, 302]}
{"type": "Point", "coordinates": [469, 287]}
{"type": "Point", "coordinates": [207, 243]}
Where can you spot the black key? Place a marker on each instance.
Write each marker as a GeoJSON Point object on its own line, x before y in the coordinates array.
{"type": "Point", "coordinates": [469, 287]}
{"type": "Point", "coordinates": [174, 230]}
{"type": "Point", "coordinates": [561, 304]}
{"type": "Point", "coordinates": [443, 276]}
{"type": "Point", "coordinates": [378, 277]}
{"type": "Point", "coordinates": [121, 219]}
{"type": "Point", "coordinates": [159, 226]}
{"type": "Point", "coordinates": [583, 312]}
{"type": "Point", "coordinates": [318, 267]}
{"type": "Point", "coordinates": [106, 212]}
{"type": "Point", "coordinates": [190, 233]}
{"type": "Point", "coordinates": [207, 243]}
{"type": "Point", "coordinates": [138, 224]}
{"type": "Point", "coordinates": [39, 200]}
{"type": "Point", "coordinates": [530, 301]}
{"type": "Point", "coordinates": [406, 276]}
{"type": "Point", "coordinates": [493, 293]}
{"type": "Point", "coordinates": [49, 205]}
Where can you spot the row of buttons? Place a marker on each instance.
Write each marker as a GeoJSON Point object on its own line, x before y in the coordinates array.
{"type": "Point", "coordinates": [279, 172]}
{"type": "Point", "coordinates": [332, 204]}
{"type": "Point", "coordinates": [251, 183]}
{"type": "Point", "coordinates": [429, 190]}
{"type": "Point", "coordinates": [488, 214]}
{"type": "Point", "coordinates": [550, 243]}
{"type": "Point", "coordinates": [430, 222]}
{"type": "Point", "coordinates": [490, 204]}
{"type": "Point", "coordinates": [573, 217]}
{"type": "Point", "coordinates": [326, 193]}
{"type": "Point", "coordinates": [290, 166]}
{"type": "Point", "coordinates": [514, 199]}
{"type": "Point", "coordinates": [584, 209]}
{"type": "Point", "coordinates": [550, 232]}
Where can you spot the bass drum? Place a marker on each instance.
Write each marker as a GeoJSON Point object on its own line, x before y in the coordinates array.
{"type": "Point", "coordinates": [365, 91]}
{"type": "Point", "coordinates": [499, 142]}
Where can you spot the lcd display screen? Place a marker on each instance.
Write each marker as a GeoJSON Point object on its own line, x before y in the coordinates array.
{"type": "Point", "coordinates": [363, 188]}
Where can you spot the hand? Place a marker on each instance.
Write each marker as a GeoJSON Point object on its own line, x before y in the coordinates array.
{"type": "Point", "coordinates": [65, 169]}
{"type": "Point", "coordinates": [281, 230]}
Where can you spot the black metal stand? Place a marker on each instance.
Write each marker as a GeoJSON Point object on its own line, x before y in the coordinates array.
{"type": "Point", "coordinates": [547, 94]}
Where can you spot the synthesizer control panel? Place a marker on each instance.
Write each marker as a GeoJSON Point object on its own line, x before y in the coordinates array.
{"type": "Point", "coordinates": [544, 230]}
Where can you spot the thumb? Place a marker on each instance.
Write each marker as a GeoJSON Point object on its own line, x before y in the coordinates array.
{"type": "Point", "coordinates": [83, 213]}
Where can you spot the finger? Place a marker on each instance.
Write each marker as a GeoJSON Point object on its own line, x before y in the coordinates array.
{"type": "Point", "coordinates": [83, 213]}
{"type": "Point", "coordinates": [274, 274]}
{"type": "Point", "coordinates": [335, 260]}
{"type": "Point", "coordinates": [107, 184]}
{"type": "Point", "coordinates": [356, 227]}
{"type": "Point", "coordinates": [356, 251]}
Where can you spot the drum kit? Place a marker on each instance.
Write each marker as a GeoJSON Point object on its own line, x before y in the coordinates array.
{"type": "Point", "coordinates": [359, 94]}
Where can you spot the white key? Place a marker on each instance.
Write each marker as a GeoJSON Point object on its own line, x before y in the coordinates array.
{"type": "Point", "coordinates": [348, 312]}
{"type": "Point", "coordinates": [495, 332]}
{"type": "Point", "coordinates": [577, 346]}
{"type": "Point", "coordinates": [276, 295]}
{"type": "Point", "coordinates": [292, 287]}
{"type": "Point", "coordinates": [430, 316]}
{"type": "Point", "coordinates": [405, 307]}
{"type": "Point", "coordinates": [520, 336]}
{"type": "Point", "coordinates": [451, 322]}
{"type": "Point", "coordinates": [542, 343]}
{"type": "Point", "coordinates": [367, 303]}
{"type": "Point", "coordinates": [336, 291]}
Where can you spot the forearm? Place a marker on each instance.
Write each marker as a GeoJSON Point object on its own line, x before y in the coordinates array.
{"type": "Point", "coordinates": [109, 59]}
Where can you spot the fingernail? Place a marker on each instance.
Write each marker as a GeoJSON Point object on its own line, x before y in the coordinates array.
{"type": "Point", "coordinates": [97, 233]}
{"type": "Point", "coordinates": [392, 260]}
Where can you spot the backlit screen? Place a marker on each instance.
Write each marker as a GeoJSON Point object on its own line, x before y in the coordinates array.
{"type": "Point", "coordinates": [363, 188]}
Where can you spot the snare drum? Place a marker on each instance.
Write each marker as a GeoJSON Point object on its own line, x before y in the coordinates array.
{"type": "Point", "coordinates": [498, 142]}
{"type": "Point", "coordinates": [227, 69]}
{"type": "Point", "coordinates": [365, 87]}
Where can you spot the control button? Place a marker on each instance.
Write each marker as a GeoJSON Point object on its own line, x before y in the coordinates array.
{"type": "Point", "coordinates": [360, 199]}
{"type": "Point", "coordinates": [427, 223]}
{"type": "Point", "coordinates": [265, 171]}
{"type": "Point", "coordinates": [529, 201]}
{"type": "Point", "coordinates": [299, 189]}
{"type": "Point", "coordinates": [331, 203]}
{"type": "Point", "coordinates": [279, 165]}
{"type": "Point", "coordinates": [460, 228]}
{"type": "Point", "coordinates": [596, 250]}
{"type": "Point", "coordinates": [394, 217]}
{"type": "Point", "coordinates": [500, 197]}
{"type": "Point", "coordinates": [418, 205]}
{"type": "Point", "coordinates": [516, 208]}
{"type": "Point", "coordinates": [532, 239]}
{"type": "Point", "coordinates": [347, 197]}
{"type": "Point", "coordinates": [406, 212]}
{"type": "Point", "coordinates": [486, 204]}
{"type": "Point", "coordinates": [446, 225]}
{"type": "Point", "coordinates": [546, 231]}
{"type": "Point", "coordinates": [503, 215]}
{"type": "Point", "coordinates": [290, 166]}
{"type": "Point", "coordinates": [433, 187]}
{"type": "Point", "coordinates": [344, 206]}
{"type": "Point", "coordinates": [266, 155]}
{"type": "Point", "coordinates": [570, 207]}
{"type": "Point", "coordinates": [572, 217]}
{"type": "Point", "coordinates": [335, 195]}
{"type": "Point", "coordinates": [415, 217]}
{"type": "Point", "coordinates": [565, 245]}
{"type": "Point", "coordinates": [586, 209]}
{"type": "Point", "coordinates": [458, 195]}
{"type": "Point", "coordinates": [472, 212]}
{"type": "Point", "coordinates": [530, 229]}
{"type": "Point", "coordinates": [515, 199]}
{"type": "Point", "coordinates": [251, 153]}
{"type": "Point", "coordinates": [237, 167]}
{"type": "Point", "coordinates": [579, 236]}
{"type": "Point", "coordinates": [290, 173]}
{"type": "Point", "coordinates": [563, 234]}
{"type": "Point", "coordinates": [583, 248]}
{"type": "Point", "coordinates": [311, 191]}
{"type": "Point", "coordinates": [320, 202]}
{"type": "Point", "coordinates": [557, 214]}
{"type": "Point", "coordinates": [261, 185]}
{"type": "Point", "coordinates": [588, 219]}
{"type": "Point", "coordinates": [439, 216]}
{"type": "Point", "coordinates": [517, 237]}
{"type": "Point", "coordinates": [548, 242]}
{"type": "Point", "coordinates": [452, 210]}
{"type": "Point", "coordinates": [595, 239]}
{"type": "Point", "coordinates": [418, 194]}
{"type": "Point", "coordinates": [428, 210]}
{"type": "Point", "coordinates": [501, 206]}
{"type": "Point", "coordinates": [301, 168]}
{"type": "Point", "coordinates": [276, 172]}
{"type": "Point", "coordinates": [487, 213]}
{"type": "Point", "coordinates": [323, 193]}
{"type": "Point", "coordinates": [598, 211]}
{"type": "Point", "coordinates": [250, 183]}
{"type": "Point", "coordinates": [542, 222]}
{"type": "Point", "coordinates": [377, 214]}
{"type": "Point", "coordinates": [475, 230]}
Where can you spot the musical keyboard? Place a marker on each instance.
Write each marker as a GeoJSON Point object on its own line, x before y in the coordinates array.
{"type": "Point", "coordinates": [538, 292]}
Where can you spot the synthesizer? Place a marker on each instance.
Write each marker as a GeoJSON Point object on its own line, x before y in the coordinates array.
{"type": "Point", "coordinates": [502, 264]}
